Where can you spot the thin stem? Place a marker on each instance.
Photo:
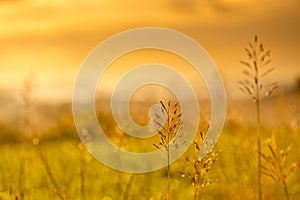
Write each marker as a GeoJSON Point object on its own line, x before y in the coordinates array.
{"type": "Point", "coordinates": [196, 192]}
{"type": "Point", "coordinates": [82, 178]}
{"type": "Point", "coordinates": [258, 149]}
{"type": "Point", "coordinates": [168, 152]}
{"type": "Point", "coordinates": [49, 173]}
{"type": "Point", "coordinates": [21, 169]}
{"type": "Point", "coordinates": [285, 190]}
{"type": "Point", "coordinates": [169, 181]}
{"type": "Point", "coordinates": [283, 180]}
{"type": "Point", "coordinates": [257, 85]}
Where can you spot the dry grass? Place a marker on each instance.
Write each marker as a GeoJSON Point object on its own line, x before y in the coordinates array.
{"type": "Point", "coordinates": [256, 68]}
{"type": "Point", "coordinates": [168, 130]}
{"type": "Point", "coordinates": [200, 168]}
{"type": "Point", "coordinates": [275, 166]}
{"type": "Point", "coordinates": [30, 131]}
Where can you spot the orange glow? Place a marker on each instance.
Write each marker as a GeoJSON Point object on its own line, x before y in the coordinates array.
{"type": "Point", "coordinates": [53, 38]}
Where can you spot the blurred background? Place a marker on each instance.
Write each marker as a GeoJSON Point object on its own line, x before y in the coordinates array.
{"type": "Point", "coordinates": [47, 41]}
{"type": "Point", "coordinates": [43, 44]}
{"type": "Point", "coordinates": [52, 38]}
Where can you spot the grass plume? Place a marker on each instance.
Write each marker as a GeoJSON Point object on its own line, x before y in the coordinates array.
{"type": "Point", "coordinates": [173, 115]}
{"type": "Point", "coordinates": [256, 68]}
{"type": "Point", "coordinates": [200, 168]}
{"type": "Point", "coordinates": [275, 165]}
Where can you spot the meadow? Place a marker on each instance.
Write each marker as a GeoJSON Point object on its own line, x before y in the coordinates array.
{"type": "Point", "coordinates": [75, 174]}
{"type": "Point", "coordinates": [42, 157]}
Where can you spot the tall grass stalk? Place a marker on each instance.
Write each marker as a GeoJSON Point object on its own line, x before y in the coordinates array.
{"type": "Point", "coordinates": [258, 146]}
{"type": "Point", "coordinates": [29, 131]}
{"type": "Point", "coordinates": [168, 131]}
{"type": "Point", "coordinates": [82, 155]}
{"type": "Point", "coordinates": [27, 96]}
{"type": "Point", "coordinates": [255, 69]}
{"type": "Point", "coordinates": [200, 168]}
{"type": "Point", "coordinates": [44, 160]}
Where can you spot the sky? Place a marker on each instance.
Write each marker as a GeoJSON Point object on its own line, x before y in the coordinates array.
{"type": "Point", "coordinates": [53, 38]}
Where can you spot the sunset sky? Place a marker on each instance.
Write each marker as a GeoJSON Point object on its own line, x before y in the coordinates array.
{"type": "Point", "coordinates": [52, 38]}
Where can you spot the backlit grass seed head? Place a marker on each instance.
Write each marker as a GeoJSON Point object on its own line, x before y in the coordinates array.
{"type": "Point", "coordinates": [169, 124]}
{"type": "Point", "coordinates": [172, 116]}
{"type": "Point", "coordinates": [200, 167]}
{"type": "Point", "coordinates": [275, 166]}
{"type": "Point", "coordinates": [255, 68]}
{"type": "Point", "coordinates": [275, 163]}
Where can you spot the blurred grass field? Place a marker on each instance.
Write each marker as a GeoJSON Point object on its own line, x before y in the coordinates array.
{"type": "Point", "coordinates": [41, 155]}
{"type": "Point", "coordinates": [80, 176]}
